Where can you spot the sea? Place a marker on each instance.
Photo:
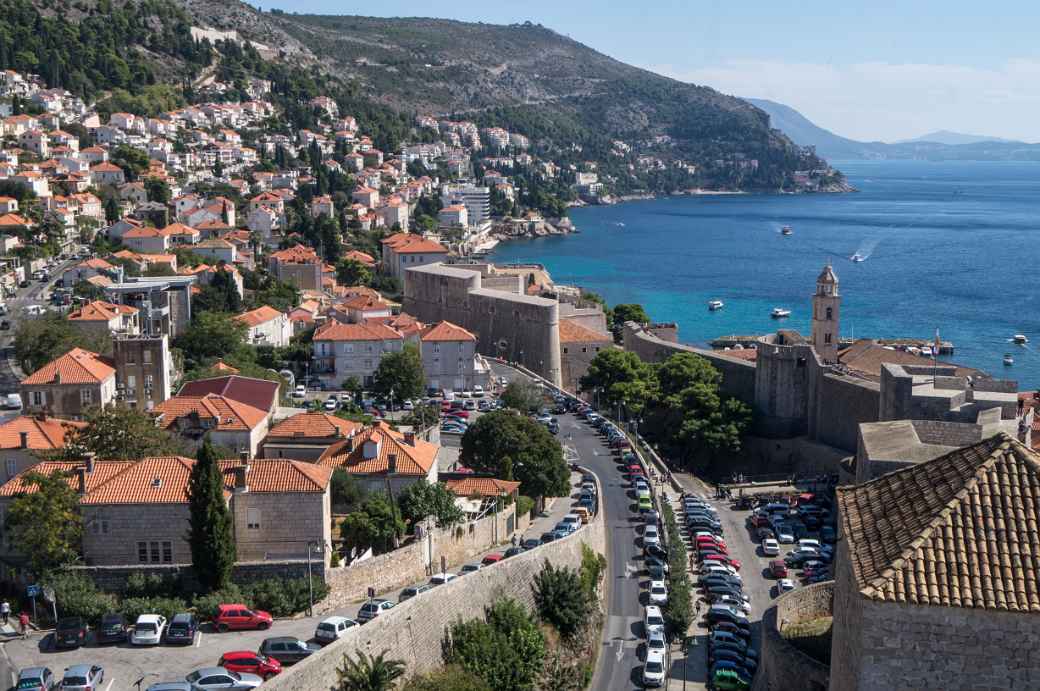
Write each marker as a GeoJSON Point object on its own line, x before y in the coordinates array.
{"type": "Point", "coordinates": [949, 246]}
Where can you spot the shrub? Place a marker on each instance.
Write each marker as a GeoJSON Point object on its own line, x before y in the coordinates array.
{"type": "Point", "coordinates": [678, 613]}
{"type": "Point", "coordinates": [524, 505]}
{"type": "Point", "coordinates": [270, 596]}
{"type": "Point", "coordinates": [561, 600]}
{"type": "Point", "coordinates": [205, 606]}
{"type": "Point", "coordinates": [593, 566]}
{"type": "Point", "coordinates": [152, 585]}
{"type": "Point", "coordinates": [133, 607]}
{"type": "Point", "coordinates": [79, 597]}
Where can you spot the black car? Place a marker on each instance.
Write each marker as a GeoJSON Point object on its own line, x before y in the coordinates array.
{"type": "Point", "coordinates": [531, 543]}
{"type": "Point", "coordinates": [513, 551]}
{"type": "Point", "coordinates": [182, 629]}
{"type": "Point", "coordinates": [112, 629]}
{"type": "Point", "coordinates": [547, 537]}
{"type": "Point", "coordinates": [5, 325]}
{"type": "Point", "coordinates": [733, 628]}
{"type": "Point", "coordinates": [656, 551]}
{"type": "Point", "coordinates": [71, 632]}
{"type": "Point", "coordinates": [656, 572]}
{"type": "Point", "coordinates": [287, 649]}
{"type": "Point", "coordinates": [720, 580]}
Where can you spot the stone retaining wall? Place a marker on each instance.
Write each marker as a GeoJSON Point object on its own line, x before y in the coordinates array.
{"type": "Point", "coordinates": [113, 578]}
{"type": "Point", "coordinates": [783, 666]}
{"type": "Point", "coordinates": [413, 631]}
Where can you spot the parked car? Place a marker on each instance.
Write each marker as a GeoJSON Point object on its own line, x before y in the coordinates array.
{"type": "Point", "coordinates": [513, 551]}
{"type": "Point", "coordinates": [111, 630]}
{"type": "Point", "coordinates": [442, 578]}
{"type": "Point", "coordinates": [35, 679]}
{"type": "Point", "coordinates": [656, 640]}
{"type": "Point", "coordinates": [82, 678]}
{"type": "Point", "coordinates": [784, 585]}
{"type": "Point", "coordinates": [333, 628]}
{"type": "Point", "coordinates": [411, 591]}
{"type": "Point", "coordinates": [778, 569]}
{"type": "Point", "coordinates": [240, 617]}
{"type": "Point", "coordinates": [331, 403]}
{"type": "Point", "coordinates": [288, 650]}
{"type": "Point", "coordinates": [651, 536]}
{"type": "Point", "coordinates": [658, 593]}
{"type": "Point", "coordinates": [469, 568]}
{"type": "Point", "coordinates": [734, 628]}
{"type": "Point", "coordinates": [300, 392]}
{"type": "Point", "coordinates": [654, 668]}
{"type": "Point", "coordinates": [246, 661]}
{"type": "Point", "coordinates": [372, 609]}
{"type": "Point", "coordinates": [219, 678]}
{"type": "Point", "coordinates": [770, 547]}
{"type": "Point", "coordinates": [652, 618]}
{"type": "Point", "coordinates": [148, 629]}
{"type": "Point", "coordinates": [71, 632]}
{"type": "Point", "coordinates": [490, 559]}
{"type": "Point", "coordinates": [182, 629]}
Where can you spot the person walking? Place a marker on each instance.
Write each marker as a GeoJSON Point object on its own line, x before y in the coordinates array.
{"type": "Point", "coordinates": [23, 621]}
{"type": "Point", "coordinates": [5, 611]}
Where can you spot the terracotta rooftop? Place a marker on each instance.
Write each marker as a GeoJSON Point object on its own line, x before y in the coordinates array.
{"type": "Point", "coordinates": [962, 530]}
{"type": "Point", "coordinates": [297, 254]}
{"type": "Point", "coordinates": [481, 487]}
{"type": "Point", "coordinates": [45, 433]}
{"type": "Point", "coordinates": [261, 315]}
{"type": "Point", "coordinates": [258, 393]}
{"type": "Point", "coordinates": [372, 331]}
{"type": "Point", "coordinates": [573, 332]}
{"type": "Point", "coordinates": [221, 366]}
{"type": "Point", "coordinates": [314, 426]}
{"type": "Point", "coordinates": [103, 471]}
{"type": "Point", "coordinates": [229, 415]}
{"type": "Point", "coordinates": [99, 310]}
{"type": "Point", "coordinates": [409, 243]}
{"type": "Point", "coordinates": [867, 357]}
{"type": "Point", "coordinates": [446, 331]}
{"type": "Point", "coordinates": [78, 366]}
{"type": "Point", "coordinates": [350, 454]}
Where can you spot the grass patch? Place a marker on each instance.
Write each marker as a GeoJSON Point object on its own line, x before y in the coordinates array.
{"type": "Point", "coordinates": [812, 637]}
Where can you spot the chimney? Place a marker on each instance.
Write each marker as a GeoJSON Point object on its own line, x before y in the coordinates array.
{"type": "Point", "coordinates": [241, 483]}
{"type": "Point", "coordinates": [57, 377]}
{"type": "Point", "coordinates": [88, 461]}
{"type": "Point", "coordinates": [409, 438]}
{"type": "Point", "coordinates": [243, 457]}
{"type": "Point", "coordinates": [23, 440]}
{"type": "Point", "coordinates": [81, 480]}
{"type": "Point", "coordinates": [391, 463]}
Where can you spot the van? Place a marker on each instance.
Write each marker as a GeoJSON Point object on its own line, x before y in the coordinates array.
{"type": "Point", "coordinates": [809, 544]}
{"type": "Point", "coordinates": [582, 513]}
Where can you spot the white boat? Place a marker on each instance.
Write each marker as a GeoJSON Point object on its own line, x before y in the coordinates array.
{"type": "Point", "coordinates": [786, 230]}
{"type": "Point", "coordinates": [1008, 360]}
{"type": "Point", "coordinates": [714, 305]}
{"type": "Point", "coordinates": [779, 313]}
{"type": "Point", "coordinates": [1020, 339]}
{"type": "Point", "coordinates": [857, 258]}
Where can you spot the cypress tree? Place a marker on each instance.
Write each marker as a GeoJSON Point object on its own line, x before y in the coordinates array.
{"type": "Point", "coordinates": [210, 533]}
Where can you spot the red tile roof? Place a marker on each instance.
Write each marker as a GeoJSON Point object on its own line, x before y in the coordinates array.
{"type": "Point", "coordinates": [573, 332]}
{"type": "Point", "coordinates": [258, 393]}
{"type": "Point", "coordinates": [230, 415]}
{"type": "Point", "coordinates": [45, 433]}
{"type": "Point", "coordinates": [77, 366]}
{"type": "Point", "coordinates": [297, 254]}
{"type": "Point", "coordinates": [446, 331]}
{"type": "Point", "coordinates": [314, 426]}
{"type": "Point", "coordinates": [99, 310]}
{"type": "Point", "coordinates": [481, 486]}
{"type": "Point", "coordinates": [261, 315]}
{"type": "Point", "coordinates": [103, 471]}
{"type": "Point", "coordinates": [412, 459]}
{"type": "Point", "coordinates": [409, 243]}
{"type": "Point", "coordinates": [370, 331]}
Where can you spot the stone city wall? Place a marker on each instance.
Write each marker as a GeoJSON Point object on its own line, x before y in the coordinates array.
{"type": "Point", "coordinates": [416, 561]}
{"type": "Point", "coordinates": [413, 631]}
{"type": "Point", "coordinates": [841, 404]}
{"type": "Point", "coordinates": [783, 667]}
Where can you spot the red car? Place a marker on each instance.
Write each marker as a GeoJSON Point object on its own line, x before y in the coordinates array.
{"type": "Point", "coordinates": [237, 617]}
{"type": "Point", "coordinates": [491, 559]}
{"type": "Point", "coordinates": [250, 662]}
{"type": "Point", "coordinates": [778, 568]}
{"type": "Point", "coordinates": [459, 413]}
{"type": "Point", "coordinates": [723, 559]}
{"type": "Point", "coordinates": [709, 543]}
{"type": "Point", "coordinates": [758, 521]}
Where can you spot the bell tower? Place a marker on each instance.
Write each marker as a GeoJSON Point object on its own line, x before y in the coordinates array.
{"type": "Point", "coordinates": [826, 309]}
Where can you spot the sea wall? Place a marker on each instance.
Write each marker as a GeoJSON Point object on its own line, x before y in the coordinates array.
{"type": "Point", "coordinates": [783, 667]}
{"type": "Point", "coordinates": [413, 632]}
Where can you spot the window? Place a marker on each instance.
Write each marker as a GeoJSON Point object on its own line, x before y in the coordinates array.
{"type": "Point", "coordinates": [830, 313]}
{"type": "Point", "coordinates": [436, 347]}
{"type": "Point", "coordinates": [253, 519]}
{"type": "Point", "coordinates": [154, 545]}
{"type": "Point", "coordinates": [827, 339]}
{"type": "Point", "coordinates": [38, 398]}
{"type": "Point", "coordinates": [130, 358]}
{"type": "Point", "coordinates": [11, 466]}
{"type": "Point", "coordinates": [147, 357]}
{"type": "Point", "coordinates": [100, 525]}
{"type": "Point", "coordinates": [348, 347]}
{"type": "Point", "coordinates": [86, 396]}
{"type": "Point", "coordinates": [565, 350]}
{"type": "Point", "coordinates": [167, 552]}
{"type": "Point", "coordinates": [142, 552]}
{"type": "Point", "coordinates": [584, 349]}
{"type": "Point", "coordinates": [147, 381]}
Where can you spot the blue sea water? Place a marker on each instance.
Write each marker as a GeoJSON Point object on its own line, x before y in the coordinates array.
{"type": "Point", "coordinates": [951, 246]}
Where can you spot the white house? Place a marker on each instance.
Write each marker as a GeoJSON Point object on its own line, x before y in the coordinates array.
{"type": "Point", "coordinates": [267, 326]}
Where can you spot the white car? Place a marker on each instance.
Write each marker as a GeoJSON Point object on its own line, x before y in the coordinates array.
{"type": "Point", "coordinates": [735, 603]}
{"type": "Point", "coordinates": [442, 578]}
{"type": "Point", "coordinates": [655, 640]}
{"type": "Point", "coordinates": [784, 535]}
{"type": "Point", "coordinates": [784, 585]}
{"type": "Point", "coordinates": [809, 544]}
{"type": "Point", "coordinates": [299, 392]}
{"type": "Point", "coordinates": [333, 628]}
{"type": "Point", "coordinates": [770, 547]}
{"type": "Point", "coordinates": [652, 619]}
{"type": "Point", "coordinates": [650, 536]}
{"type": "Point", "coordinates": [572, 520]}
{"type": "Point", "coordinates": [478, 391]}
{"type": "Point", "coordinates": [653, 668]}
{"type": "Point", "coordinates": [148, 630]}
{"type": "Point", "coordinates": [658, 593]}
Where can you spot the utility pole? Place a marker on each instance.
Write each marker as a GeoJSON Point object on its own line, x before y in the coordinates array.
{"type": "Point", "coordinates": [310, 582]}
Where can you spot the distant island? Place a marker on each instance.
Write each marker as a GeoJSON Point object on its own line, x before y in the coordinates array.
{"type": "Point", "coordinates": [936, 146]}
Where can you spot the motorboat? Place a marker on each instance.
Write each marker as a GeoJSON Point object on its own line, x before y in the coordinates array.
{"type": "Point", "coordinates": [1008, 360]}
{"type": "Point", "coordinates": [1020, 339]}
{"type": "Point", "coordinates": [714, 305]}
{"type": "Point", "coordinates": [787, 230]}
{"type": "Point", "coordinates": [857, 258]}
{"type": "Point", "coordinates": [779, 313]}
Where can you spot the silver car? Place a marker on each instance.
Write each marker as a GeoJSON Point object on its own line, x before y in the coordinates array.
{"type": "Point", "coordinates": [82, 678]}
{"type": "Point", "coordinates": [220, 678]}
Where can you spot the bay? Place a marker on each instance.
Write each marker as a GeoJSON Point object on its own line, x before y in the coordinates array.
{"type": "Point", "coordinates": [951, 246]}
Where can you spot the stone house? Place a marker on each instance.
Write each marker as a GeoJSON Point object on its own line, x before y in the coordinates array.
{"type": "Point", "coordinates": [69, 385]}
{"type": "Point", "coordinates": [25, 436]}
{"type": "Point", "coordinates": [298, 265]}
{"type": "Point", "coordinates": [578, 346]}
{"type": "Point", "coordinates": [266, 326]}
{"type": "Point", "coordinates": [380, 456]}
{"type": "Point", "coordinates": [936, 583]}
{"type": "Point", "coordinates": [403, 251]}
{"type": "Point", "coordinates": [307, 436]}
{"type": "Point", "coordinates": [147, 240]}
{"type": "Point", "coordinates": [229, 423]}
{"type": "Point", "coordinates": [136, 512]}
{"type": "Point", "coordinates": [352, 350]}
{"type": "Point", "coordinates": [261, 394]}
{"type": "Point", "coordinates": [449, 358]}
{"type": "Point", "coordinates": [105, 317]}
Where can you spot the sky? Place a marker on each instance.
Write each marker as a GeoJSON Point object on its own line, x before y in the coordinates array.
{"type": "Point", "coordinates": [882, 70]}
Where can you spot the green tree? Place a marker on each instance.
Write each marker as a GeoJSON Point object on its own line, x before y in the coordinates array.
{"type": "Point", "coordinates": [120, 433]}
{"type": "Point", "coordinates": [422, 499]}
{"type": "Point", "coordinates": [375, 524]}
{"type": "Point", "coordinates": [112, 211]}
{"type": "Point", "coordinates": [158, 190]}
{"type": "Point", "coordinates": [88, 291]}
{"type": "Point", "coordinates": [45, 524]}
{"type": "Point", "coordinates": [401, 373]}
{"type": "Point", "coordinates": [211, 529]}
{"type": "Point", "coordinates": [515, 447]}
{"type": "Point", "coordinates": [627, 312]}
{"type": "Point", "coordinates": [522, 395]}
{"type": "Point", "coordinates": [621, 379]}
{"type": "Point", "coordinates": [210, 335]}
{"type": "Point", "coordinates": [221, 295]}
{"type": "Point", "coordinates": [368, 673]}
{"type": "Point", "coordinates": [561, 600]}
{"type": "Point", "coordinates": [506, 649]}
{"type": "Point", "coordinates": [351, 272]}
{"type": "Point", "coordinates": [450, 678]}
{"type": "Point", "coordinates": [42, 339]}
{"type": "Point", "coordinates": [347, 491]}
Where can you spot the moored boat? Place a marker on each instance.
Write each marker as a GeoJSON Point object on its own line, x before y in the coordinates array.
{"type": "Point", "coordinates": [1020, 339]}
{"type": "Point", "coordinates": [787, 230]}
{"type": "Point", "coordinates": [780, 313]}
{"type": "Point", "coordinates": [714, 305]}
{"type": "Point", "coordinates": [1008, 360]}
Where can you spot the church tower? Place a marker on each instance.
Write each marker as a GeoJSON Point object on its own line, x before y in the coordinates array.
{"type": "Point", "coordinates": [826, 308]}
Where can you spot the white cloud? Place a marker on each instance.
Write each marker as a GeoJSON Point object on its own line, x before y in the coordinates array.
{"type": "Point", "coordinates": [889, 101]}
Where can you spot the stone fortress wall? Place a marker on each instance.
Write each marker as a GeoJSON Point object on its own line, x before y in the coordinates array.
{"type": "Point", "coordinates": [513, 326]}
{"type": "Point", "coordinates": [782, 666]}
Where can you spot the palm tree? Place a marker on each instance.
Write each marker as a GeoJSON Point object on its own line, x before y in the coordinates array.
{"type": "Point", "coordinates": [366, 673]}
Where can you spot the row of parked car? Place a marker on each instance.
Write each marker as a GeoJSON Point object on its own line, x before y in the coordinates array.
{"type": "Point", "coordinates": [732, 661]}
{"type": "Point", "coordinates": [778, 523]}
